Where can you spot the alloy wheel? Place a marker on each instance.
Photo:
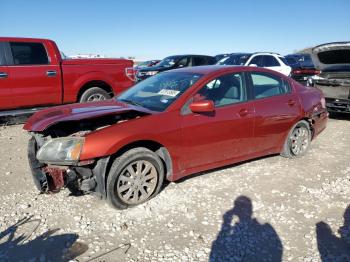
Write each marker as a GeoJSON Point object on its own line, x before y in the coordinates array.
{"type": "Point", "coordinates": [137, 182]}
{"type": "Point", "coordinates": [299, 140]}
{"type": "Point", "coordinates": [95, 97]}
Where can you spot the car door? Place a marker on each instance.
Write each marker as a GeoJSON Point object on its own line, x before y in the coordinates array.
{"type": "Point", "coordinates": [223, 135]}
{"type": "Point", "coordinates": [277, 108]}
{"type": "Point", "coordinates": [6, 101]}
{"type": "Point", "coordinates": [34, 79]}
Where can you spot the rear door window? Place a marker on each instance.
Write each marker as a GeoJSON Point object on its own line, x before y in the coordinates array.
{"type": "Point", "coordinates": [2, 53]}
{"type": "Point", "coordinates": [266, 85]}
{"type": "Point", "coordinates": [269, 61]}
{"type": "Point", "coordinates": [200, 60]}
{"type": "Point", "coordinates": [29, 53]}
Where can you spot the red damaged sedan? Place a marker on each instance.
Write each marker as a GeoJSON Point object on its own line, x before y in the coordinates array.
{"type": "Point", "coordinates": [173, 124]}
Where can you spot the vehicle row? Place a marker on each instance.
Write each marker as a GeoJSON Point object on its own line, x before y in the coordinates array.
{"type": "Point", "coordinates": [297, 66]}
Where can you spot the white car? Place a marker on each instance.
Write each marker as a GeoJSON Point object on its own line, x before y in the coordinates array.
{"type": "Point", "coordinates": [271, 61]}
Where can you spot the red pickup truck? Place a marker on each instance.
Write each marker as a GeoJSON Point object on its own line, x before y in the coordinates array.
{"type": "Point", "coordinates": [34, 74]}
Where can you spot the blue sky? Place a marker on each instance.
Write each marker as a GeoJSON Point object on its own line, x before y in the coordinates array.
{"type": "Point", "coordinates": [157, 28]}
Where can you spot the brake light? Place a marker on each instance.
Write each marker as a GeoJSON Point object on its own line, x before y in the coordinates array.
{"type": "Point", "coordinates": [323, 102]}
{"type": "Point", "coordinates": [306, 71]}
{"type": "Point", "coordinates": [130, 72]}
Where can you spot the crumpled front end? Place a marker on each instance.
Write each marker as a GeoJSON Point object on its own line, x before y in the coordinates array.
{"type": "Point", "coordinates": [84, 177]}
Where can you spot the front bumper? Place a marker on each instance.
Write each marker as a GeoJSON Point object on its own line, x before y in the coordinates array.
{"type": "Point", "coordinates": [86, 179]}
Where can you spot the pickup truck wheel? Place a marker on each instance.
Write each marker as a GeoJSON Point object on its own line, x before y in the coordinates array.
{"type": "Point", "coordinates": [298, 140]}
{"type": "Point", "coordinates": [135, 177]}
{"type": "Point", "coordinates": [94, 94]}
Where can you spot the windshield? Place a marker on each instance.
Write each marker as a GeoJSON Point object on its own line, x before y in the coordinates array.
{"type": "Point", "coordinates": [160, 91]}
{"type": "Point", "coordinates": [238, 59]}
{"type": "Point", "coordinates": [169, 61]}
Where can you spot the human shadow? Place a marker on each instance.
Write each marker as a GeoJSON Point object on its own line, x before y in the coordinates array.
{"type": "Point", "coordinates": [17, 244]}
{"type": "Point", "coordinates": [330, 246]}
{"type": "Point", "coordinates": [247, 239]}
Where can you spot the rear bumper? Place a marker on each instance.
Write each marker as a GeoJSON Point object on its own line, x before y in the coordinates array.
{"type": "Point", "coordinates": [319, 122]}
{"type": "Point", "coordinates": [335, 105]}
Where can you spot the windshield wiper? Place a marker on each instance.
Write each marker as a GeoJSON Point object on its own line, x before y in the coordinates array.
{"type": "Point", "coordinates": [131, 102]}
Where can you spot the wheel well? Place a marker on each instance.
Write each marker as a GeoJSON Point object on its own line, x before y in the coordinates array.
{"type": "Point", "coordinates": [311, 125]}
{"type": "Point", "coordinates": [96, 83]}
{"type": "Point", "coordinates": [156, 147]}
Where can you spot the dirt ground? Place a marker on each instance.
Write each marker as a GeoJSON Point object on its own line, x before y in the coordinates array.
{"type": "Point", "coordinates": [269, 209]}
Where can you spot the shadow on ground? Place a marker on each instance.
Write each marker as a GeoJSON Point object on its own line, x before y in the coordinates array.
{"type": "Point", "coordinates": [243, 238]}
{"type": "Point", "coordinates": [330, 246]}
{"type": "Point", "coordinates": [17, 243]}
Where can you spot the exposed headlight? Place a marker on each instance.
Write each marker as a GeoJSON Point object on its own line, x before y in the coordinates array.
{"type": "Point", "coordinates": [151, 73]}
{"type": "Point", "coordinates": [61, 151]}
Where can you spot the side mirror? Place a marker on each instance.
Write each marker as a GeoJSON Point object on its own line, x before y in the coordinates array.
{"type": "Point", "coordinates": [181, 65]}
{"type": "Point", "coordinates": [253, 65]}
{"type": "Point", "coordinates": [204, 106]}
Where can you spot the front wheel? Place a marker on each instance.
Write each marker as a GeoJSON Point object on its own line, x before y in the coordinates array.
{"type": "Point", "coordinates": [298, 140]}
{"type": "Point", "coordinates": [135, 177]}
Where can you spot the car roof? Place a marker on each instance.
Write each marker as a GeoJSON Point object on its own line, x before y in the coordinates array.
{"type": "Point", "coordinates": [189, 55]}
{"type": "Point", "coordinates": [24, 39]}
{"type": "Point", "coordinates": [213, 69]}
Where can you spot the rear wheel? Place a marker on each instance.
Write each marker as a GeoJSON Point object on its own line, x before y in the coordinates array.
{"type": "Point", "coordinates": [135, 177]}
{"type": "Point", "coordinates": [94, 94]}
{"type": "Point", "coordinates": [298, 140]}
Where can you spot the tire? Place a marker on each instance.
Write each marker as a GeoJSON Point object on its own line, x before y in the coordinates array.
{"type": "Point", "coordinates": [298, 137]}
{"type": "Point", "coordinates": [94, 94]}
{"type": "Point", "coordinates": [125, 187]}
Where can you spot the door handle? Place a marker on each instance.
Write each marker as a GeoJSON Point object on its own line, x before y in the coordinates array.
{"type": "Point", "coordinates": [243, 112]}
{"type": "Point", "coordinates": [3, 75]}
{"type": "Point", "coordinates": [51, 73]}
{"type": "Point", "coordinates": [291, 102]}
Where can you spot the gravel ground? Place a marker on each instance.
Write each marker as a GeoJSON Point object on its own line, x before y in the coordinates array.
{"type": "Point", "coordinates": [268, 209]}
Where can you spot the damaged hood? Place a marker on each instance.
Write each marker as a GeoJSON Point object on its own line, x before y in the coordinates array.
{"type": "Point", "coordinates": [332, 56]}
{"type": "Point", "coordinates": [75, 112]}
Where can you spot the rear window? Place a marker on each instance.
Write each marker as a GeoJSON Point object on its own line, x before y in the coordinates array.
{"type": "Point", "coordinates": [29, 53]}
{"type": "Point", "coordinates": [335, 57]}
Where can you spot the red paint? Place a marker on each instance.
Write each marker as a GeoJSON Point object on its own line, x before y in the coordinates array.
{"type": "Point", "coordinates": [201, 141]}
{"type": "Point", "coordinates": [28, 85]}
{"type": "Point", "coordinates": [57, 178]}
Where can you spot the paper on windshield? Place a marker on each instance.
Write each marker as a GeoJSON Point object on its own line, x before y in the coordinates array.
{"type": "Point", "coordinates": [169, 92]}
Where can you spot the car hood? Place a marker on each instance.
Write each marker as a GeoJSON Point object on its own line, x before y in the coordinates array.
{"type": "Point", "coordinates": [75, 112]}
{"type": "Point", "coordinates": [331, 55]}
{"type": "Point", "coordinates": [153, 68]}
{"type": "Point", "coordinates": [98, 61]}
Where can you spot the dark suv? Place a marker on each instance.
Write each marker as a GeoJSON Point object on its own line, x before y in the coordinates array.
{"type": "Point", "coordinates": [172, 62]}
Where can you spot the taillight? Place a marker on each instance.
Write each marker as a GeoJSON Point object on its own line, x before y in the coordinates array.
{"type": "Point", "coordinates": [296, 71]}
{"type": "Point", "coordinates": [130, 72]}
{"type": "Point", "coordinates": [323, 102]}
{"type": "Point", "coordinates": [306, 71]}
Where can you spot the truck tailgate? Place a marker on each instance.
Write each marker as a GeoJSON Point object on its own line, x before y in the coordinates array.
{"type": "Point", "coordinates": [340, 92]}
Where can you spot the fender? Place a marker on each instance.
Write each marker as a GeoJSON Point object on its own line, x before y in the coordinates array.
{"type": "Point", "coordinates": [71, 94]}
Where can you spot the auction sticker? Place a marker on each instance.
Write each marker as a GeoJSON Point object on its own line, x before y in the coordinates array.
{"type": "Point", "coordinates": [168, 92]}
